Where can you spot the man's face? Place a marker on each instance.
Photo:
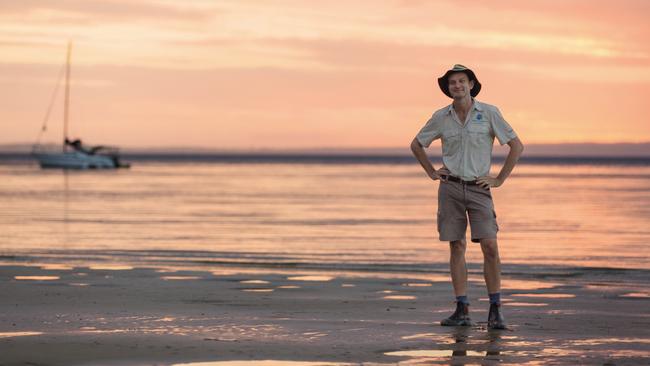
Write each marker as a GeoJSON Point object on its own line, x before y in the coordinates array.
{"type": "Point", "coordinates": [460, 85]}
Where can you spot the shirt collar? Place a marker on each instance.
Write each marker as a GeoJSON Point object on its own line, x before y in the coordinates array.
{"type": "Point", "coordinates": [476, 105]}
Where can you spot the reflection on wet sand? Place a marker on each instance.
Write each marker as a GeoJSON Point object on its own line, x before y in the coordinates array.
{"type": "Point", "coordinates": [206, 327]}
{"type": "Point", "coordinates": [511, 284]}
{"type": "Point", "coordinates": [166, 319]}
{"type": "Point", "coordinates": [257, 289]}
{"type": "Point", "coordinates": [56, 266]}
{"type": "Point", "coordinates": [37, 278]}
{"type": "Point", "coordinates": [434, 353]}
{"type": "Point", "coordinates": [563, 312]}
{"type": "Point", "coordinates": [399, 297]}
{"type": "Point", "coordinates": [465, 346]}
{"type": "Point", "coordinates": [265, 363]}
{"type": "Point", "coordinates": [598, 341]}
{"type": "Point", "coordinates": [311, 278]}
{"type": "Point", "coordinates": [548, 296]}
{"type": "Point", "coordinates": [459, 347]}
{"type": "Point", "coordinates": [636, 295]}
{"type": "Point", "coordinates": [442, 278]}
{"type": "Point", "coordinates": [18, 334]}
{"type": "Point", "coordinates": [254, 281]}
{"type": "Point", "coordinates": [180, 278]}
{"type": "Point", "coordinates": [111, 267]}
{"type": "Point", "coordinates": [350, 274]}
{"type": "Point", "coordinates": [420, 335]}
{"type": "Point", "coordinates": [166, 270]}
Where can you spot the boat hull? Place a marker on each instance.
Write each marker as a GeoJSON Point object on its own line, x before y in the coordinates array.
{"type": "Point", "coordinates": [76, 160]}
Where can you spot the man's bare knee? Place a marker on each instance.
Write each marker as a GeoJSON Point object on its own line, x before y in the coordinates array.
{"type": "Point", "coordinates": [457, 247]}
{"type": "Point", "coordinates": [490, 249]}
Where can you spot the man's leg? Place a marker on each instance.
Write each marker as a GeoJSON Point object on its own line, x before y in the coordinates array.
{"type": "Point", "coordinates": [492, 274]}
{"type": "Point", "coordinates": [458, 267]}
{"type": "Point", "coordinates": [491, 265]}
{"type": "Point", "coordinates": [452, 225]}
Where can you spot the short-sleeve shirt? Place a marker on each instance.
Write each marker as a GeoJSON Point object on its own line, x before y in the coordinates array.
{"type": "Point", "coordinates": [467, 148]}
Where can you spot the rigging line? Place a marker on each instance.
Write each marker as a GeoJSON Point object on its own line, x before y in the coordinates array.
{"type": "Point", "coordinates": [49, 108]}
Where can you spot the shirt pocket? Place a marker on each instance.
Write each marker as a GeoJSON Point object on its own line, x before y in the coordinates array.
{"type": "Point", "coordinates": [482, 127]}
{"type": "Point", "coordinates": [479, 134]}
{"type": "Point", "coordinates": [450, 142]}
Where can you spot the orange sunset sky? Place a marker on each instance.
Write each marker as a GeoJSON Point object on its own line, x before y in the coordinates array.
{"type": "Point", "coordinates": [310, 74]}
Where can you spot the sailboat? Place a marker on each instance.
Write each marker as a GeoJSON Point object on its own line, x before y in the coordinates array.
{"type": "Point", "coordinates": [73, 154]}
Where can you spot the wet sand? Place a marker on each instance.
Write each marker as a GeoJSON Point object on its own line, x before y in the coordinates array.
{"type": "Point", "coordinates": [118, 315]}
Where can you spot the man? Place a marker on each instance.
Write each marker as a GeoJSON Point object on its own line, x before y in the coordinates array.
{"type": "Point", "coordinates": [467, 128]}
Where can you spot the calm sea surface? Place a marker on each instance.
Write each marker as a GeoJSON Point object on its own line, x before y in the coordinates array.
{"type": "Point", "coordinates": [318, 215]}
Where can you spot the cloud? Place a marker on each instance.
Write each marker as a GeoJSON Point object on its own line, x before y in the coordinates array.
{"type": "Point", "coordinates": [351, 55]}
{"type": "Point", "coordinates": [196, 34]}
{"type": "Point", "coordinates": [100, 11]}
{"type": "Point", "coordinates": [224, 71]}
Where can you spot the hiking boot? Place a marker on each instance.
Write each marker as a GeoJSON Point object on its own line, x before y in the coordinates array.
{"type": "Point", "coordinates": [459, 318]}
{"type": "Point", "coordinates": [495, 319]}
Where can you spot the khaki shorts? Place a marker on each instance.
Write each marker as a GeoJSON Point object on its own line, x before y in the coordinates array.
{"type": "Point", "coordinates": [457, 201]}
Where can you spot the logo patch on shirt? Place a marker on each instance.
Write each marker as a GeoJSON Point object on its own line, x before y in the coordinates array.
{"type": "Point", "coordinates": [479, 119]}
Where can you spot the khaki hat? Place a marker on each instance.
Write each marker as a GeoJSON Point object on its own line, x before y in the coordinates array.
{"type": "Point", "coordinates": [443, 81]}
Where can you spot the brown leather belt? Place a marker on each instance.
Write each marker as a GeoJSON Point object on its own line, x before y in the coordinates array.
{"type": "Point", "coordinates": [451, 178]}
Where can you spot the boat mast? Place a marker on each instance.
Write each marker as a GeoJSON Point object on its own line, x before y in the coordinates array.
{"type": "Point", "coordinates": [67, 97]}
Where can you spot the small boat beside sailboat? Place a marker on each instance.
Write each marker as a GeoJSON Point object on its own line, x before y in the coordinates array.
{"type": "Point", "coordinates": [73, 154]}
{"type": "Point", "coordinates": [76, 156]}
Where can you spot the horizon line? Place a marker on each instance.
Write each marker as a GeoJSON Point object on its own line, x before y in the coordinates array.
{"type": "Point", "coordinates": [583, 149]}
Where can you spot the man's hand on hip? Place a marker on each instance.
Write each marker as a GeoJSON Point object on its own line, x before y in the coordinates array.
{"type": "Point", "coordinates": [487, 182]}
{"type": "Point", "coordinates": [441, 174]}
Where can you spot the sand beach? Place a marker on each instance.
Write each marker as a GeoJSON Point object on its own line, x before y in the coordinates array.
{"type": "Point", "coordinates": [115, 314]}
{"type": "Point", "coordinates": [314, 264]}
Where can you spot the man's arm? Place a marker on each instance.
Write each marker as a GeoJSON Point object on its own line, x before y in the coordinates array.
{"type": "Point", "coordinates": [516, 148]}
{"type": "Point", "coordinates": [421, 156]}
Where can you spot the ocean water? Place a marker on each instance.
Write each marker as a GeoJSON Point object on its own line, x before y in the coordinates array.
{"type": "Point", "coordinates": [350, 215]}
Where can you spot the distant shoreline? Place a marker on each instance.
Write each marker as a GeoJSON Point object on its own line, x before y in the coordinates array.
{"type": "Point", "coordinates": [332, 158]}
{"type": "Point", "coordinates": [563, 150]}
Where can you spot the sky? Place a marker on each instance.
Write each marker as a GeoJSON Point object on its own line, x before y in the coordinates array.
{"type": "Point", "coordinates": [313, 74]}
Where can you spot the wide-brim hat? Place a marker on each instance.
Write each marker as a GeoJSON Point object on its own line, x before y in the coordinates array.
{"type": "Point", "coordinates": [443, 81]}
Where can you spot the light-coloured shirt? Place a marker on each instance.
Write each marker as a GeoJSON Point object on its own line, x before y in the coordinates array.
{"type": "Point", "coordinates": [467, 145]}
